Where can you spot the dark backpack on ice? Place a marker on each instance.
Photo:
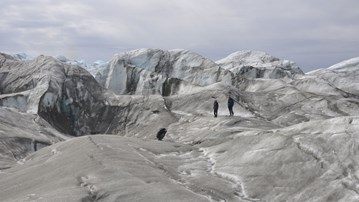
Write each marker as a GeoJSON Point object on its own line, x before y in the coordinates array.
{"type": "Point", "coordinates": [230, 102]}
{"type": "Point", "coordinates": [161, 133]}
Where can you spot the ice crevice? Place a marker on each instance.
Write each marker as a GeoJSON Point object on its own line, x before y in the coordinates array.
{"type": "Point", "coordinates": [239, 189]}
{"type": "Point", "coordinates": [93, 193]}
{"type": "Point", "coordinates": [177, 177]}
{"type": "Point", "coordinates": [126, 117]}
{"type": "Point", "coordinates": [93, 142]}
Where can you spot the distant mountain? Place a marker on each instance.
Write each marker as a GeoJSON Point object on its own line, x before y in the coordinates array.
{"type": "Point", "coordinates": [92, 68]}
{"type": "Point", "coordinates": [22, 56]}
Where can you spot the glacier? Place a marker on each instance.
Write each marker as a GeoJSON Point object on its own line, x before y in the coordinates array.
{"type": "Point", "coordinates": [70, 135]}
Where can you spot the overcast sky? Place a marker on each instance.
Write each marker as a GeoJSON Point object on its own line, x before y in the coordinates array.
{"type": "Point", "coordinates": [313, 33]}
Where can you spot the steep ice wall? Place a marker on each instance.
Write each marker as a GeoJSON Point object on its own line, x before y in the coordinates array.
{"type": "Point", "coordinates": [64, 95]}
{"type": "Point", "coordinates": [147, 71]}
{"type": "Point", "coordinates": [23, 83]}
{"type": "Point", "coordinates": [257, 64]}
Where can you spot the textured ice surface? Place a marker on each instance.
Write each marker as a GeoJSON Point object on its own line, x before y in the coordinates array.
{"type": "Point", "coordinates": [257, 64]}
{"type": "Point", "coordinates": [290, 139]}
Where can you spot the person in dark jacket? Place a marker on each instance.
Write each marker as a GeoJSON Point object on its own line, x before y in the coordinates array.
{"type": "Point", "coordinates": [215, 108]}
{"type": "Point", "coordinates": [230, 105]}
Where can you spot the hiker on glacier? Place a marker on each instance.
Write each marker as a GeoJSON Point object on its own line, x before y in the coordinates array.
{"type": "Point", "coordinates": [230, 105]}
{"type": "Point", "coordinates": [215, 108]}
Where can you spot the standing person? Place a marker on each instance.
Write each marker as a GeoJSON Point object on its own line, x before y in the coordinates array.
{"type": "Point", "coordinates": [230, 105]}
{"type": "Point", "coordinates": [215, 108]}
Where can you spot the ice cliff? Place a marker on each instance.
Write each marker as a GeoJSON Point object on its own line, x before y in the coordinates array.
{"type": "Point", "coordinates": [153, 71]}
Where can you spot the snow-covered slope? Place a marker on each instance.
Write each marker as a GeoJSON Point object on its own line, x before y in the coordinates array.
{"type": "Point", "coordinates": [110, 168]}
{"type": "Point", "coordinates": [351, 64]}
{"type": "Point", "coordinates": [257, 64]}
{"type": "Point", "coordinates": [202, 159]}
{"type": "Point", "coordinates": [291, 139]}
{"type": "Point", "coordinates": [342, 76]}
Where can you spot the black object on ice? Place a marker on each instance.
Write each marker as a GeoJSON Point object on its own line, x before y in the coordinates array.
{"type": "Point", "coordinates": [161, 133]}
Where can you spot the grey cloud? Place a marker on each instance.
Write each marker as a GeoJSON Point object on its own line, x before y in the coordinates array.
{"type": "Point", "coordinates": [313, 33]}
